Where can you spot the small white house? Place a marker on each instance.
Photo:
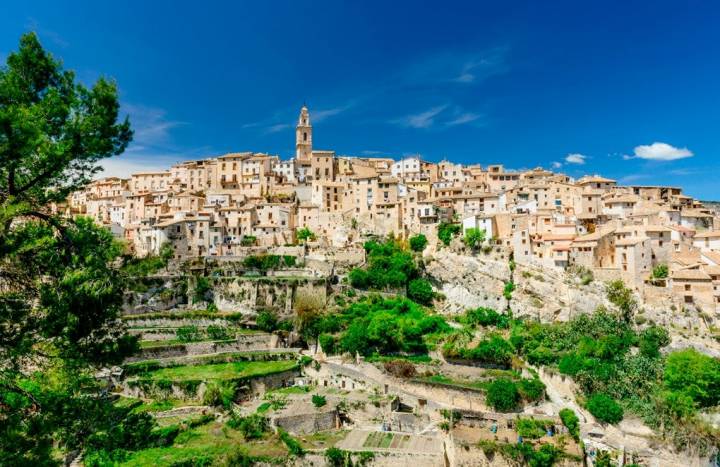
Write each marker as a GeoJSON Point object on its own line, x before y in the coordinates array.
{"type": "Point", "coordinates": [479, 221]}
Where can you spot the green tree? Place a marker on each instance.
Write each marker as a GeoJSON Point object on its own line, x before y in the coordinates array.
{"type": "Point", "coordinates": [660, 271]}
{"type": "Point", "coordinates": [503, 395]}
{"type": "Point", "coordinates": [621, 297]}
{"type": "Point", "coordinates": [305, 234]}
{"type": "Point", "coordinates": [652, 340]}
{"type": "Point", "coordinates": [571, 422]}
{"type": "Point", "coordinates": [604, 408]}
{"type": "Point", "coordinates": [59, 293]}
{"type": "Point", "coordinates": [474, 238]}
{"type": "Point", "coordinates": [318, 400]}
{"type": "Point", "coordinates": [420, 291]}
{"type": "Point", "coordinates": [418, 242]}
{"type": "Point", "coordinates": [695, 375]}
{"type": "Point", "coordinates": [447, 231]}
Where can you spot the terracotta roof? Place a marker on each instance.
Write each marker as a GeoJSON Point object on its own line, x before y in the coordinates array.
{"type": "Point", "coordinates": [713, 256]}
{"type": "Point", "coordinates": [630, 241]}
{"type": "Point", "coordinates": [690, 274]}
{"type": "Point", "coordinates": [708, 234]}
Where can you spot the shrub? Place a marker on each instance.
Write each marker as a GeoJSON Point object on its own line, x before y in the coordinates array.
{"type": "Point", "coordinates": [305, 234]}
{"type": "Point", "coordinates": [503, 395]}
{"type": "Point", "coordinates": [652, 340]}
{"type": "Point", "coordinates": [420, 290]}
{"type": "Point", "coordinates": [400, 368]}
{"type": "Point", "coordinates": [530, 429]}
{"type": "Point", "coordinates": [481, 316]}
{"type": "Point", "coordinates": [188, 334]}
{"type": "Point", "coordinates": [266, 321]}
{"type": "Point", "coordinates": [202, 287]}
{"type": "Point", "coordinates": [252, 427]}
{"type": "Point", "coordinates": [292, 444]}
{"type": "Point", "coordinates": [219, 394]}
{"type": "Point", "coordinates": [660, 271]}
{"type": "Point", "coordinates": [337, 457]}
{"type": "Point", "coordinates": [359, 278]}
{"type": "Point", "coordinates": [418, 242]}
{"type": "Point", "coordinates": [604, 408]}
{"type": "Point", "coordinates": [531, 390]}
{"type": "Point", "coordinates": [508, 290]}
{"type": "Point", "coordinates": [621, 297]}
{"type": "Point", "coordinates": [318, 400]}
{"type": "Point", "coordinates": [474, 237]}
{"type": "Point", "coordinates": [217, 333]}
{"type": "Point", "coordinates": [327, 342]}
{"type": "Point", "coordinates": [248, 240]}
{"type": "Point", "coordinates": [571, 422]}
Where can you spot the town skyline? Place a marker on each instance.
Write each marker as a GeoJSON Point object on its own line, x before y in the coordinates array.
{"type": "Point", "coordinates": [603, 91]}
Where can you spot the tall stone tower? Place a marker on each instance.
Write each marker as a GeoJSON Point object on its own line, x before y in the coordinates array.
{"type": "Point", "coordinates": [303, 137]}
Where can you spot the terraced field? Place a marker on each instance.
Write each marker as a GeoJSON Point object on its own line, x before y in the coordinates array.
{"type": "Point", "coordinates": [221, 371]}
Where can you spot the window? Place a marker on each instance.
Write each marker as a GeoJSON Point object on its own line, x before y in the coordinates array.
{"type": "Point", "coordinates": [305, 136]}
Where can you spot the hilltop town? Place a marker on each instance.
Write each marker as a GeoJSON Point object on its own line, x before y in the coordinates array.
{"type": "Point", "coordinates": [343, 311]}
{"type": "Point", "coordinates": [245, 310]}
{"type": "Point", "coordinates": [654, 238]}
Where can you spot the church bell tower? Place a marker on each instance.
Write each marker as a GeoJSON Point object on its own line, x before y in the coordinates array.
{"type": "Point", "coordinates": [303, 136]}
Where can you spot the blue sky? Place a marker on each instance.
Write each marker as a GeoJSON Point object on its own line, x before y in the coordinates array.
{"type": "Point", "coordinates": [587, 87]}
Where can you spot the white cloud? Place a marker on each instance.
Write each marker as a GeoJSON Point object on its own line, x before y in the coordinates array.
{"type": "Point", "coordinates": [278, 127]}
{"type": "Point", "coordinates": [421, 120]}
{"type": "Point", "coordinates": [123, 167]}
{"type": "Point", "coordinates": [150, 124]}
{"type": "Point", "coordinates": [556, 165]}
{"type": "Point", "coordinates": [320, 115]}
{"type": "Point", "coordinates": [661, 152]}
{"type": "Point", "coordinates": [492, 62]}
{"type": "Point", "coordinates": [575, 158]}
{"type": "Point", "coordinates": [463, 118]}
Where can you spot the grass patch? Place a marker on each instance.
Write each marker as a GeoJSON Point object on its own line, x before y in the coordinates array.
{"type": "Point", "coordinates": [206, 443]}
{"type": "Point", "coordinates": [221, 371]}
{"type": "Point", "coordinates": [378, 439]}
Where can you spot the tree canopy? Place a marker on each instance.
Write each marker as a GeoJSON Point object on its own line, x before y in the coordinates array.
{"type": "Point", "coordinates": [60, 293]}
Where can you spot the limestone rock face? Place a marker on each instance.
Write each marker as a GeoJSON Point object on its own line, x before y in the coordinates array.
{"type": "Point", "coordinates": [471, 281]}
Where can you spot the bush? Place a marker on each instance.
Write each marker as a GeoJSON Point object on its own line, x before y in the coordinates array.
{"type": "Point", "coordinates": [359, 278]}
{"type": "Point", "coordinates": [188, 334]}
{"type": "Point", "coordinates": [604, 408]}
{"type": "Point", "coordinates": [305, 234]}
{"type": "Point", "coordinates": [219, 394]}
{"type": "Point", "coordinates": [474, 237]}
{"type": "Point", "coordinates": [508, 290]}
{"type": "Point", "coordinates": [481, 316]}
{"type": "Point", "coordinates": [266, 321]}
{"type": "Point", "coordinates": [571, 422]}
{"type": "Point", "coordinates": [327, 342]}
{"type": "Point", "coordinates": [420, 291]}
{"type": "Point", "coordinates": [248, 240]}
{"type": "Point", "coordinates": [252, 427]}
{"type": "Point", "coordinates": [660, 271]}
{"type": "Point", "coordinates": [530, 429]}
{"type": "Point", "coordinates": [621, 297]}
{"type": "Point", "coordinates": [292, 444]}
{"type": "Point", "coordinates": [418, 242]}
{"type": "Point", "coordinates": [318, 400]}
{"type": "Point", "coordinates": [652, 340]}
{"type": "Point", "coordinates": [400, 368]}
{"type": "Point", "coordinates": [218, 333]}
{"type": "Point", "coordinates": [531, 390]}
{"type": "Point", "coordinates": [503, 395]}
{"type": "Point", "coordinates": [337, 457]}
